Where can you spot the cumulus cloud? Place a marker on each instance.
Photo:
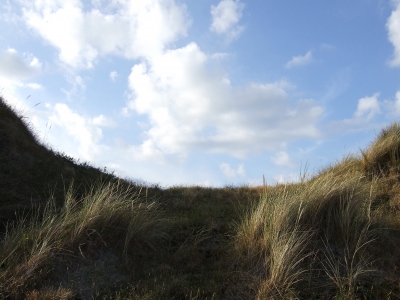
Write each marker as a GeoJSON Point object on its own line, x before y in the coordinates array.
{"type": "Point", "coordinates": [281, 159]}
{"type": "Point", "coordinates": [368, 107]}
{"type": "Point", "coordinates": [225, 18]}
{"type": "Point", "coordinates": [189, 107]}
{"type": "Point", "coordinates": [393, 27]}
{"type": "Point", "coordinates": [147, 151]}
{"type": "Point", "coordinates": [363, 118]}
{"type": "Point", "coordinates": [300, 60]}
{"type": "Point", "coordinates": [131, 29]}
{"type": "Point", "coordinates": [81, 129]}
{"type": "Point", "coordinates": [230, 172]}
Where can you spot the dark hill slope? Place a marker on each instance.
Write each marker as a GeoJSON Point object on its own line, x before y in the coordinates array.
{"type": "Point", "coordinates": [30, 172]}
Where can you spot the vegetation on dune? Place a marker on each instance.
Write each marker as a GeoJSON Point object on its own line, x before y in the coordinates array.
{"type": "Point", "coordinates": [383, 156]}
{"type": "Point", "coordinates": [72, 231]}
{"type": "Point", "coordinates": [108, 221]}
{"type": "Point", "coordinates": [31, 173]}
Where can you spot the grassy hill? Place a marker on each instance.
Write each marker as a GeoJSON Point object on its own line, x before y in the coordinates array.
{"type": "Point", "coordinates": [72, 231]}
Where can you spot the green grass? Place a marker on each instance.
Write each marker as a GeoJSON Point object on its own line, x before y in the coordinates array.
{"type": "Point", "coordinates": [72, 231]}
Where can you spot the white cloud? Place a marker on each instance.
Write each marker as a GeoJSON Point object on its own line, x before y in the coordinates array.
{"type": "Point", "coordinates": [18, 67]}
{"type": "Point", "coordinates": [131, 29]}
{"type": "Point", "coordinates": [225, 17]}
{"type": "Point", "coordinates": [363, 118]}
{"type": "Point", "coordinates": [230, 172]}
{"type": "Point", "coordinates": [34, 86]}
{"type": "Point", "coordinates": [282, 159]}
{"type": "Point", "coordinates": [368, 107]}
{"type": "Point", "coordinates": [219, 55]}
{"type": "Point", "coordinates": [103, 121]}
{"type": "Point", "coordinates": [7, 12]}
{"type": "Point", "coordinates": [327, 47]}
{"type": "Point", "coordinates": [393, 27]}
{"type": "Point", "coordinates": [81, 137]}
{"type": "Point", "coordinates": [192, 108]}
{"type": "Point", "coordinates": [77, 85]}
{"type": "Point", "coordinates": [397, 103]}
{"type": "Point", "coordinates": [147, 151]}
{"type": "Point", "coordinates": [300, 60]}
{"type": "Point", "coordinates": [285, 178]}
{"type": "Point", "coordinates": [79, 128]}
{"type": "Point", "coordinates": [113, 75]}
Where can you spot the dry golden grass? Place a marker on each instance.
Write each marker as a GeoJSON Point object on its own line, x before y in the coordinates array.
{"type": "Point", "coordinates": [50, 294]}
{"type": "Point", "coordinates": [317, 233]}
{"type": "Point", "coordinates": [383, 156]}
{"type": "Point", "coordinates": [334, 235]}
{"type": "Point", "coordinates": [107, 217]}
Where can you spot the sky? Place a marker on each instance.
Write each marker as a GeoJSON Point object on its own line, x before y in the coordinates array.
{"type": "Point", "coordinates": [210, 92]}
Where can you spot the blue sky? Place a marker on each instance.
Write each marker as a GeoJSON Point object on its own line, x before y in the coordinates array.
{"type": "Point", "coordinates": [203, 92]}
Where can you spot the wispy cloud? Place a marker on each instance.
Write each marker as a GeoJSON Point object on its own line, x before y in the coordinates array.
{"type": "Point", "coordinates": [16, 66]}
{"type": "Point", "coordinates": [397, 103]}
{"type": "Point", "coordinates": [34, 86]}
{"type": "Point", "coordinates": [102, 121]}
{"type": "Point", "coordinates": [16, 69]}
{"type": "Point", "coordinates": [77, 84]}
{"type": "Point", "coordinates": [285, 178]}
{"type": "Point", "coordinates": [113, 75]}
{"type": "Point", "coordinates": [282, 159]}
{"type": "Point", "coordinates": [230, 172]}
{"type": "Point", "coordinates": [393, 27]}
{"type": "Point", "coordinates": [300, 60]}
{"type": "Point", "coordinates": [392, 106]}
{"type": "Point", "coordinates": [225, 18]}
{"type": "Point", "coordinates": [327, 47]}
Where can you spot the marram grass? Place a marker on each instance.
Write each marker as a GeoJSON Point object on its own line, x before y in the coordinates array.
{"type": "Point", "coordinates": [108, 217]}
{"type": "Point", "coordinates": [333, 235]}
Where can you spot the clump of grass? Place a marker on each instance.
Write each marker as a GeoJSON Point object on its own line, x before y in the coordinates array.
{"type": "Point", "coordinates": [297, 231]}
{"type": "Point", "coordinates": [383, 156]}
{"type": "Point", "coordinates": [349, 166]}
{"type": "Point", "coordinates": [346, 240]}
{"type": "Point", "coordinates": [272, 243]}
{"type": "Point", "coordinates": [108, 217]}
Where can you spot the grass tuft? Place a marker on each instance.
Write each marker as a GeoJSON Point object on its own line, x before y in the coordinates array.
{"type": "Point", "coordinates": [383, 156]}
{"type": "Point", "coordinates": [108, 218]}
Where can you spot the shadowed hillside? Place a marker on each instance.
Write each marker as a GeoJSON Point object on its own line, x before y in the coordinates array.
{"type": "Point", "coordinates": [71, 231]}
{"type": "Point", "coordinates": [30, 172]}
